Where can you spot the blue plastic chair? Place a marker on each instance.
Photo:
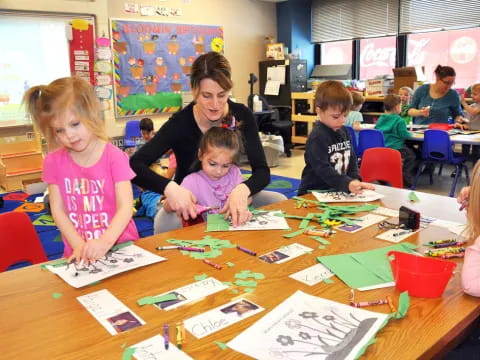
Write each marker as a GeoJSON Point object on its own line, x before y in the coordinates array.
{"type": "Point", "coordinates": [353, 136]}
{"type": "Point", "coordinates": [437, 149]}
{"type": "Point", "coordinates": [369, 138]}
{"type": "Point", "coordinates": [132, 133]}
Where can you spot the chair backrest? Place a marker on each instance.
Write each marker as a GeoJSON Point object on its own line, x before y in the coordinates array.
{"type": "Point", "coordinates": [369, 138]}
{"type": "Point", "coordinates": [19, 240]}
{"type": "Point", "coordinates": [353, 136]}
{"type": "Point", "coordinates": [132, 132]}
{"type": "Point", "coordinates": [382, 164]}
{"type": "Point", "coordinates": [437, 146]}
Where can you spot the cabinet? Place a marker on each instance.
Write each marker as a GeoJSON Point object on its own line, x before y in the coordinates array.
{"type": "Point", "coordinates": [21, 159]}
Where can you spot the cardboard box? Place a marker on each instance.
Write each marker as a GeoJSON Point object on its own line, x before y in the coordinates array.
{"type": "Point", "coordinates": [379, 87]}
{"type": "Point", "coordinates": [407, 76]}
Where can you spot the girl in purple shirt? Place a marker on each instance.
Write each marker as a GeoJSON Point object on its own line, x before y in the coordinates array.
{"type": "Point", "coordinates": [216, 171]}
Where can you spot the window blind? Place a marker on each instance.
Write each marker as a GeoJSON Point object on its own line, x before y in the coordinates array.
{"type": "Point", "coordinates": [432, 15]}
{"type": "Point", "coordinates": [334, 20]}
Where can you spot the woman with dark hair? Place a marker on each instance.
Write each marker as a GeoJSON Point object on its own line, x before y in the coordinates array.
{"type": "Point", "coordinates": [437, 102]}
{"type": "Point", "coordinates": [211, 83]}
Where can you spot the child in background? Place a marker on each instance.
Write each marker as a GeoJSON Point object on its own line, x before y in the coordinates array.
{"type": "Point", "coordinates": [395, 132]}
{"type": "Point", "coordinates": [330, 161]}
{"type": "Point", "coordinates": [405, 93]}
{"type": "Point", "coordinates": [472, 113]}
{"type": "Point", "coordinates": [216, 171]}
{"type": "Point", "coordinates": [355, 117]}
{"type": "Point", "coordinates": [146, 128]}
{"type": "Point", "coordinates": [88, 178]}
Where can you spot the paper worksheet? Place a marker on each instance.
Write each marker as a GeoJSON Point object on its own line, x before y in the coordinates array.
{"type": "Point", "coordinates": [336, 196]}
{"type": "Point", "coordinates": [285, 253]}
{"type": "Point", "coordinates": [110, 312]}
{"type": "Point", "coordinates": [123, 259]}
{"type": "Point", "coordinates": [191, 292]}
{"type": "Point", "coordinates": [154, 349]}
{"type": "Point", "coordinates": [308, 327]}
{"type": "Point", "coordinates": [396, 235]}
{"type": "Point", "coordinates": [221, 317]}
{"type": "Point", "coordinates": [312, 275]}
{"type": "Point", "coordinates": [363, 222]}
{"type": "Point", "coordinates": [261, 220]}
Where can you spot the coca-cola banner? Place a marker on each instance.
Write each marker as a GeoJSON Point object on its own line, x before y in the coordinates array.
{"type": "Point", "coordinates": [457, 49]}
{"type": "Point", "coordinates": [377, 57]}
{"type": "Point", "coordinates": [337, 52]}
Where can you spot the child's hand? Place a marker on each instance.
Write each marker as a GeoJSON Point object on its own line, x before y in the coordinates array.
{"type": "Point", "coordinates": [356, 186]}
{"type": "Point", "coordinates": [77, 253]}
{"type": "Point", "coordinates": [95, 249]}
{"type": "Point", "coordinates": [180, 200]}
{"type": "Point", "coordinates": [236, 206]}
{"type": "Point", "coordinates": [463, 197]}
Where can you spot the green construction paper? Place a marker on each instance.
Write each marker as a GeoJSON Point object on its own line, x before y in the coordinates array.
{"type": "Point", "coordinates": [403, 305]}
{"type": "Point", "coordinates": [214, 244]}
{"type": "Point", "coordinates": [235, 291]}
{"type": "Point", "coordinates": [321, 240]}
{"type": "Point", "coordinates": [200, 277]}
{"type": "Point", "coordinates": [94, 283]}
{"type": "Point", "coordinates": [328, 281]}
{"type": "Point", "coordinates": [217, 222]}
{"type": "Point", "coordinates": [413, 197]}
{"type": "Point", "coordinates": [121, 246]}
{"type": "Point", "coordinates": [54, 263]}
{"type": "Point", "coordinates": [230, 264]}
{"type": "Point", "coordinates": [298, 232]}
{"type": "Point", "coordinates": [258, 276]}
{"type": "Point", "coordinates": [227, 283]}
{"type": "Point", "coordinates": [249, 290]}
{"type": "Point", "coordinates": [366, 268]}
{"type": "Point", "coordinates": [306, 221]}
{"type": "Point", "coordinates": [56, 295]}
{"type": "Point", "coordinates": [149, 300]}
{"type": "Point", "coordinates": [321, 247]}
{"type": "Point", "coordinates": [249, 283]}
{"type": "Point", "coordinates": [128, 353]}
{"type": "Point", "coordinates": [221, 345]}
{"type": "Point", "coordinates": [280, 184]}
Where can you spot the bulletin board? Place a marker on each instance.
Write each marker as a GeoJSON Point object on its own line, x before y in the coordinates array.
{"type": "Point", "coordinates": [152, 63]}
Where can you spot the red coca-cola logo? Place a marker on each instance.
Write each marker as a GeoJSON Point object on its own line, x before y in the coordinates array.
{"type": "Point", "coordinates": [371, 56]}
{"type": "Point", "coordinates": [463, 50]}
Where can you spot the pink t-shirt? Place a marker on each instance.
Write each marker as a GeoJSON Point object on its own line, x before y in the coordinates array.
{"type": "Point", "coordinates": [212, 192]}
{"type": "Point", "coordinates": [88, 194]}
{"type": "Point", "coordinates": [471, 269]}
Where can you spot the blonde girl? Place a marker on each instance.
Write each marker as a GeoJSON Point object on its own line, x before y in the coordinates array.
{"type": "Point", "coordinates": [88, 178]}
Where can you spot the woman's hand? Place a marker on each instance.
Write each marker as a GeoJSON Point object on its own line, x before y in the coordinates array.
{"type": "Point", "coordinates": [236, 206]}
{"type": "Point", "coordinates": [180, 200]}
{"type": "Point", "coordinates": [356, 186]}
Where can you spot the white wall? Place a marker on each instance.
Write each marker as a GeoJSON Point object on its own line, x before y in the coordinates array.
{"type": "Point", "coordinates": [245, 24]}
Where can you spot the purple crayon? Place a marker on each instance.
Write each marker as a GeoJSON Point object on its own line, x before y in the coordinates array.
{"type": "Point", "coordinates": [249, 252]}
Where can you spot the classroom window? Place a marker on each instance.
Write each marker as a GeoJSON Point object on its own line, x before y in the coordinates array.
{"type": "Point", "coordinates": [377, 56]}
{"type": "Point", "coordinates": [455, 48]}
{"type": "Point", "coordinates": [336, 52]}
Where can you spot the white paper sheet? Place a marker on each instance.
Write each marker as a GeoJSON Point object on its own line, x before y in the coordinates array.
{"type": "Point", "coordinates": [308, 327]}
{"type": "Point", "coordinates": [221, 317]}
{"type": "Point", "coordinates": [276, 73]}
{"type": "Point", "coordinates": [365, 221]}
{"type": "Point", "coordinates": [285, 253]}
{"type": "Point", "coordinates": [386, 211]}
{"type": "Point", "coordinates": [395, 235]}
{"type": "Point", "coordinates": [192, 292]}
{"type": "Point", "coordinates": [264, 220]}
{"type": "Point", "coordinates": [115, 262]}
{"type": "Point", "coordinates": [312, 275]}
{"type": "Point", "coordinates": [110, 312]}
{"type": "Point", "coordinates": [272, 87]}
{"type": "Point", "coordinates": [328, 197]}
{"type": "Point", "coordinates": [154, 349]}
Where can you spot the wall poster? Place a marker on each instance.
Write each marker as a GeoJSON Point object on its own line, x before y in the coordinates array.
{"type": "Point", "coordinates": [152, 63]}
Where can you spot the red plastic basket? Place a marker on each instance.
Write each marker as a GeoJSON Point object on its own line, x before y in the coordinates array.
{"type": "Point", "coordinates": [440, 126]}
{"type": "Point", "coordinates": [420, 276]}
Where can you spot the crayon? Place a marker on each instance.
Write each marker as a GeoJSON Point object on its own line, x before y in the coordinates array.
{"type": "Point", "coordinates": [208, 262]}
{"type": "Point", "coordinates": [184, 334]}
{"type": "Point", "coordinates": [370, 303]}
{"type": "Point", "coordinates": [454, 243]}
{"type": "Point", "coordinates": [188, 248]}
{"type": "Point", "coordinates": [165, 336]}
{"type": "Point", "coordinates": [179, 335]}
{"type": "Point", "coordinates": [352, 297]}
{"type": "Point", "coordinates": [451, 256]}
{"type": "Point", "coordinates": [390, 303]}
{"type": "Point", "coordinates": [245, 250]}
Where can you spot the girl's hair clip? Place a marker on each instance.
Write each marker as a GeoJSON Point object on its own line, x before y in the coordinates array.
{"type": "Point", "coordinates": [225, 126]}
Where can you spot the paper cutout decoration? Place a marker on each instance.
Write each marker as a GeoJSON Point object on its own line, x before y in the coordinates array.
{"type": "Point", "coordinates": [103, 66]}
{"type": "Point", "coordinates": [304, 326]}
{"type": "Point", "coordinates": [103, 41]}
{"type": "Point", "coordinates": [103, 53]}
{"type": "Point", "coordinates": [103, 93]}
{"type": "Point", "coordinates": [80, 24]}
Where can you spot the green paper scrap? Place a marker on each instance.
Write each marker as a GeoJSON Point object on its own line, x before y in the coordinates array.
{"type": "Point", "coordinates": [128, 353]}
{"type": "Point", "coordinates": [247, 283]}
{"type": "Point", "coordinates": [249, 290]}
{"type": "Point", "coordinates": [298, 232]}
{"type": "Point", "coordinates": [230, 264]}
{"type": "Point", "coordinates": [403, 305]}
{"type": "Point", "coordinates": [227, 283]}
{"type": "Point", "coordinates": [217, 222]}
{"type": "Point", "coordinates": [328, 281]}
{"type": "Point", "coordinates": [304, 223]}
{"type": "Point", "coordinates": [94, 283]}
{"type": "Point", "coordinates": [54, 263]}
{"type": "Point", "coordinates": [362, 350]}
{"type": "Point", "coordinates": [321, 247]}
{"type": "Point", "coordinates": [221, 345]}
{"type": "Point", "coordinates": [200, 277]}
{"type": "Point", "coordinates": [121, 246]}
{"type": "Point", "coordinates": [56, 295]}
{"type": "Point", "coordinates": [413, 197]}
{"type": "Point", "coordinates": [214, 244]}
{"type": "Point", "coordinates": [235, 291]}
{"type": "Point", "coordinates": [321, 240]}
{"type": "Point", "coordinates": [149, 300]}
{"type": "Point", "coordinates": [366, 268]}
{"type": "Point", "coordinates": [244, 274]}
{"type": "Point", "coordinates": [280, 184]}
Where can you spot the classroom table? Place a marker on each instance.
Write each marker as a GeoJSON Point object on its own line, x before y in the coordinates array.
{"type": "Point", "coordinates": [35, 325]}
{"type": "Point", "coordinates": [467, 137]}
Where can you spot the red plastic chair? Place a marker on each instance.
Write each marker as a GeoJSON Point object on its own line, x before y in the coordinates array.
{"type": "Point", "coordinates": [382, 164]}
{"type": "Point", "coordinates": [19, 240]}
